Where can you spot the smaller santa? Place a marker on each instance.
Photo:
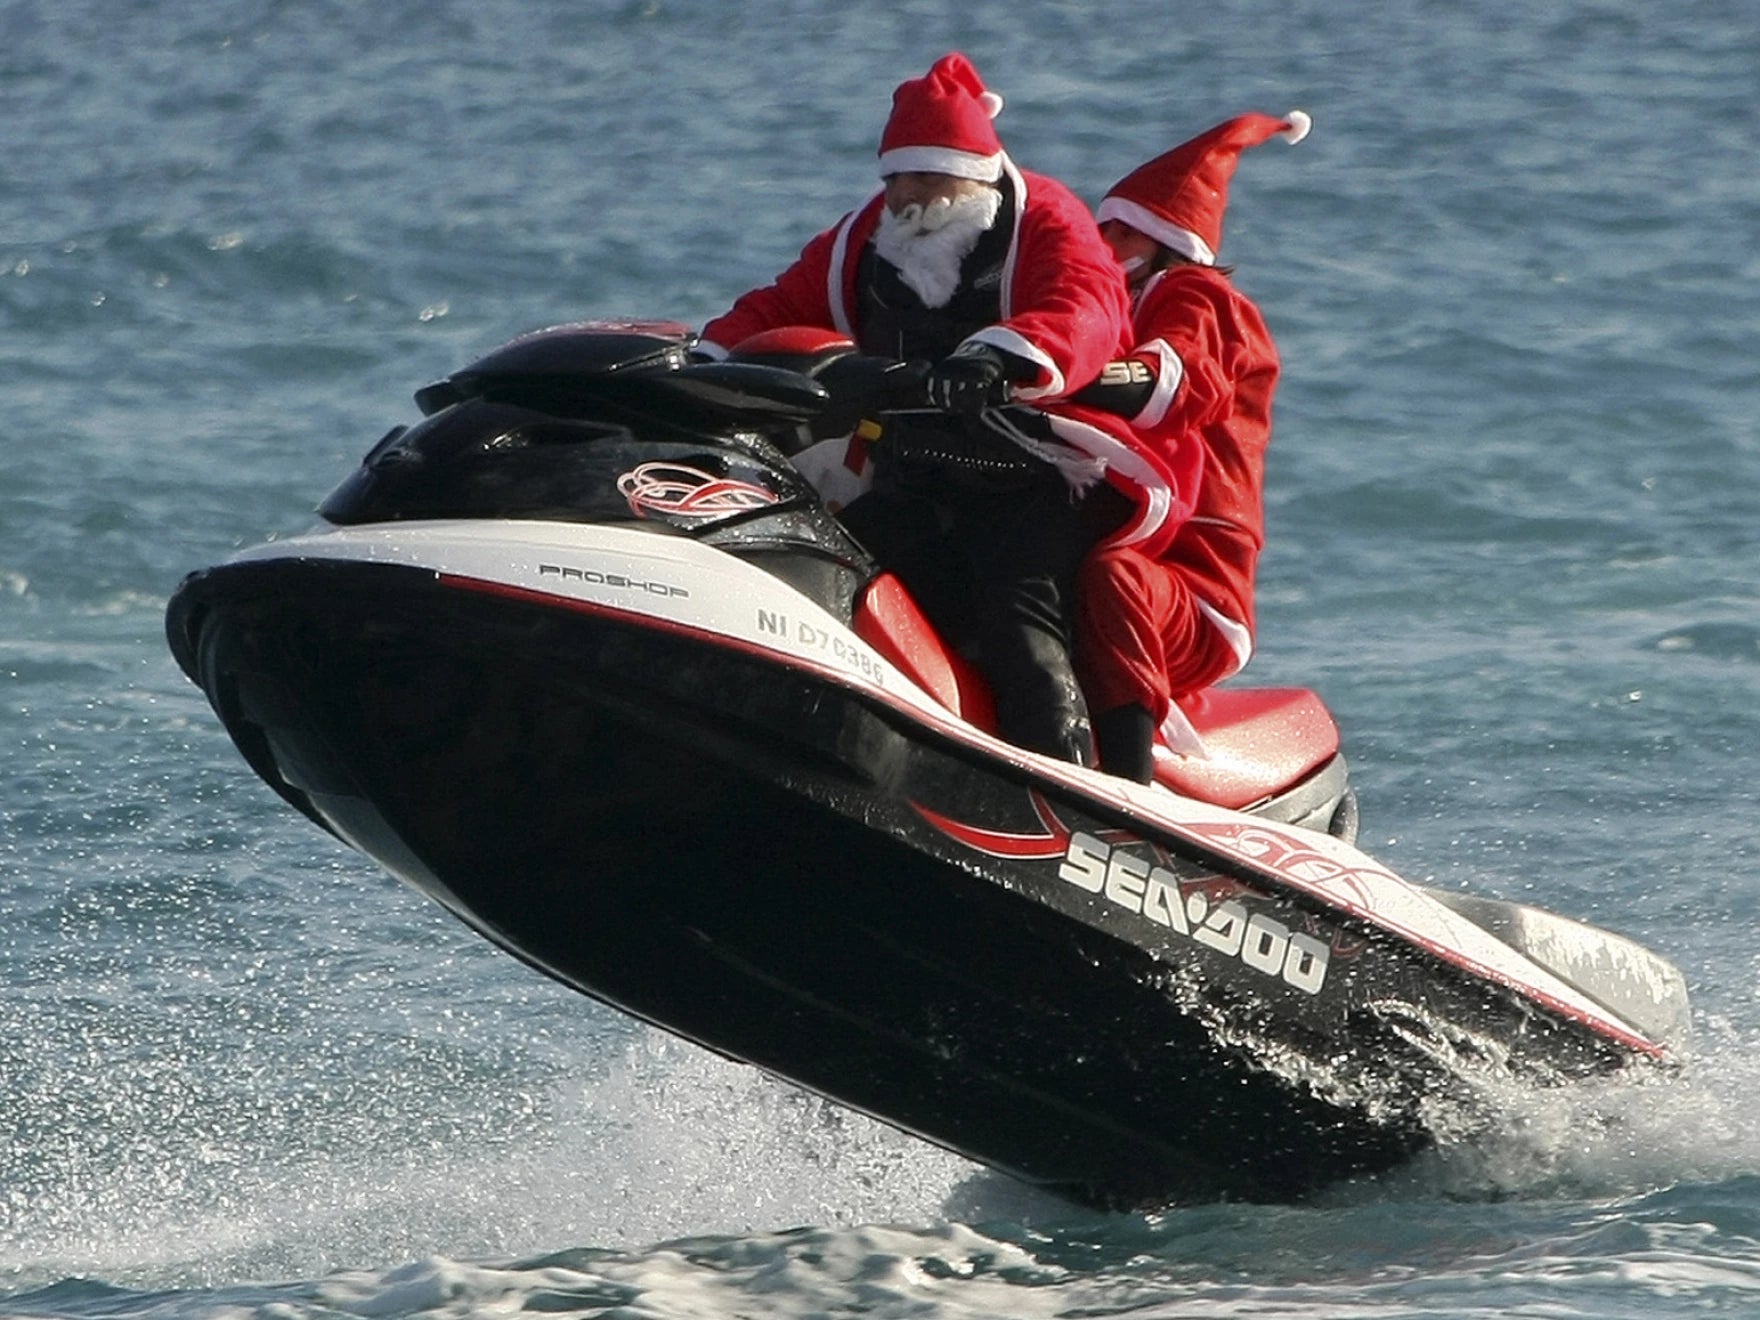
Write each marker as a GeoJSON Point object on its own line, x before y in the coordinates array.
{"type": "Point", "coordinates": [1158, 622]}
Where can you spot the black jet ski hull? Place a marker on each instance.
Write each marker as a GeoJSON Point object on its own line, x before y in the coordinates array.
{"type": "Point", "coordinates": [772, 855]}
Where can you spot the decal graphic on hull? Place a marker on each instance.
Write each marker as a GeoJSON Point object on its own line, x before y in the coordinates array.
{"type": "Point", "coordinates": [676, 490]}
{"type": "Point", "coordinates": [1051, 842]}
{"type": "Point", "coordinates": [1281, 854]}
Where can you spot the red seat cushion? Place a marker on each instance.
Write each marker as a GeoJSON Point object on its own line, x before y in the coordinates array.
{"type": "Point", "coordinates": [1260, 741]}
{"type": "Point", "coordinates": [888, 619]}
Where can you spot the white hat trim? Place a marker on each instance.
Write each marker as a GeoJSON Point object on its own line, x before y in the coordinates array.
{"type": "Point", "coordinates": [941, 160]}
{"type": "Point", "coordinates": [1145, 221]}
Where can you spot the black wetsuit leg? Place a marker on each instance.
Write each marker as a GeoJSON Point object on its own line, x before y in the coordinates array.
{"type": "Point", "coordinates": [995, 572]}
{"type": "Point", "coordinates": [1024, 550]}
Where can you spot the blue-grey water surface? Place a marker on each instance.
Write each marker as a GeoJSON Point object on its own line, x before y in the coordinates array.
{"type": "Point", "coordinates": [1515, 532]}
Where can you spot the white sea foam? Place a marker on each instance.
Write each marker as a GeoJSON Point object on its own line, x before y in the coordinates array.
{"type": "Point", "coordinates": [1617, 1136]}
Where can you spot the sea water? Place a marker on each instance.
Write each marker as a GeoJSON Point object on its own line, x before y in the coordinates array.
{"type": "Point", "coordinates": [1514, 515]}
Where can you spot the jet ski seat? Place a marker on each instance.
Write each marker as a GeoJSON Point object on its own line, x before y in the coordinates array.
{"type": "Point", "coordinates": [1257, 742]}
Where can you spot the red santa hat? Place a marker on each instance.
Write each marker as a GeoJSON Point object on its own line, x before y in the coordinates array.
{"type": "Point", "coordinates": [1178, 198]}
{"type": "Point", "coordinates": [940, 124]}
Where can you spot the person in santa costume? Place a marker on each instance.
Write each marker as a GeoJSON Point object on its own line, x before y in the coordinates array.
{"type": "Point", "coordinates": [998, 279]}
{"type": "Point", "coordinates": [1156, 624]}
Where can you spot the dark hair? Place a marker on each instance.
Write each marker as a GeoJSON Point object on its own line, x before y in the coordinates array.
{"type": "Point", "coordinates": [1166, 256]}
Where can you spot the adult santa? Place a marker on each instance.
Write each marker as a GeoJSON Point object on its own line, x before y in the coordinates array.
{"type": "Point", "coordinates": [1156, 623]}
{"type": "Point", "coordinates": [998, 279]}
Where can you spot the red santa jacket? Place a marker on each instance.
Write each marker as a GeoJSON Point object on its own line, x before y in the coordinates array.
{"type": "Point", "coordinates": [1216, 369]}
{"type": "Point", "coordinates": [1064, 309]}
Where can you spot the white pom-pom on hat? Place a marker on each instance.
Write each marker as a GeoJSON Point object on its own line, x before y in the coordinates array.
{"type": "Point", "coordinates": [1300, 121]}
{"type": "Point", "coordinates": [992, 103]}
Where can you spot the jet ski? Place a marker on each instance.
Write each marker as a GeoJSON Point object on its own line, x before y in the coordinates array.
{"type": "Point", "coordinates": [581, 655]}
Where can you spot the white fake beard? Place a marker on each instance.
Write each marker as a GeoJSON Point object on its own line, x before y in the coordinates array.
{"type": "Point", "coordinates": [927, 245]}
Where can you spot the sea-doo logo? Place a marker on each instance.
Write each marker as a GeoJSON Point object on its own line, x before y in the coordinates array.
{"type": "Point", "coordinates": [1261, 942]}
{"type": "Point", "coordinates": [1207, 909]}
{"type": "Point", "coordinates": [676, 490]}
{"type": "Point", "coordinates": [618, 581]}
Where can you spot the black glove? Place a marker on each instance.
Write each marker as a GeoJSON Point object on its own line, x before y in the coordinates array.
{"type": "Point", "coordinates": [969, 380]}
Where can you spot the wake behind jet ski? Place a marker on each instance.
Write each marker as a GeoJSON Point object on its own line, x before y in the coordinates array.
{"type": "Point", "coordinates": [582, 656]}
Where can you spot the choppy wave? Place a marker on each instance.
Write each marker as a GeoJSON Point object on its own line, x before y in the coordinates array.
{"type": "Point", "coordinates": [1576, 1182]}
{"type": "Point", "coordinates": [1693, 1246]}
{"type": "Point", "coordinates": [1716, 641]}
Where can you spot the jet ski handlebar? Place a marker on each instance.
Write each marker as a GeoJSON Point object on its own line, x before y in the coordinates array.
{"type": "Point", "coordinates": [861, 385]}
